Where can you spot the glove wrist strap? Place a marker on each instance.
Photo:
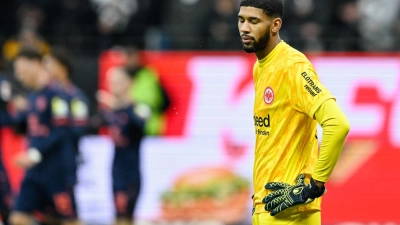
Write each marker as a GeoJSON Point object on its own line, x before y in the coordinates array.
{"type": "Point", "coordinates": [315, 191]}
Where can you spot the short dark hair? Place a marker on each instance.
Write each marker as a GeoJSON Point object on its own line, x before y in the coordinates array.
{"type": "Point", "coordinates": [271, 8]}
{"type": "Point", "coordinates": [62, 56]}
{"type": "Point", "coordinates": [30, 54]}
{"type": "Point", "coordinates": [131, 72]}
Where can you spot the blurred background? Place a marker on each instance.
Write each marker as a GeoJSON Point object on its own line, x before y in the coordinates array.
{"type": "Point", "coordinates": [194, 52]}
{"type": "Point", "coordinates": [89, 27]}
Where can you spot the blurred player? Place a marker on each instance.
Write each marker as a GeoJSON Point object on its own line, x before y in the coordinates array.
{"type": "Point", "coordinates": [289, 172]}
{"type": "Point", "coordinates": [147, 89]}
{"type": "Point", "coordinates": [46, 118]}
{"type": "Point", "coordinates": [59, 66]}
{"type": "Point", "coordinates": [126, 121]}
{"type": "Point", "coordinates": [5, 120]}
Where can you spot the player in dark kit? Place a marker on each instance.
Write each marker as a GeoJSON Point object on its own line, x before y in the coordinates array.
{"type": "Point", "coordinates": [5, 120]}
{"type": "Point", "coordinates": [46, 119]}
{"type": "Point", "coordinates": [126, 121]}
{"type": "Point", "coordinates": [59, 66]}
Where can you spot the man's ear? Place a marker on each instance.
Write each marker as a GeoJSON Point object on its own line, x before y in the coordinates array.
{"type": "Point", "coordinates": [276, 25]}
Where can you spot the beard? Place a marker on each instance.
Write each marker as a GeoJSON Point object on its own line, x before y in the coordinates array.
{"type": "Point", "coordinates": [258, 45]}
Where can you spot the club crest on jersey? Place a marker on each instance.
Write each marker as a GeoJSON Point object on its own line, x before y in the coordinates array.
{"type": "Point", "coordinates": [268, 95]}
{"type": "Point", "coordinates": [41, 103]}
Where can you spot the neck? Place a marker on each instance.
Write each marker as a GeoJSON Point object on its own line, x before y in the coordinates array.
{"type": "Point", "coordinates": [42, 80]}
{"type": "Point", "coordinates": [122, 101]}
{"type": "Point", "coordinates": [64, 81]}
{"type": "Point", "coordinates": [273, 42]}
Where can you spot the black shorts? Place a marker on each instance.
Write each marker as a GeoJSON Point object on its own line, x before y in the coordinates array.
{"type": "Point", "coordinates": [39, 196]}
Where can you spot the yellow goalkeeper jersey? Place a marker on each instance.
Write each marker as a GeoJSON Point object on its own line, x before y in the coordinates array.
{"type": "Point", "coordinates": [287, 94]}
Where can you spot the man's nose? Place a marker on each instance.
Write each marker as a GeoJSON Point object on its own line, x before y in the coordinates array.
{"type": "Point", "coordinates": [244, 27]}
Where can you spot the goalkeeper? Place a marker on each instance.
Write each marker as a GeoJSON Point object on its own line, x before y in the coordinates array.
{"type": "Point", "coordinates": [289, 169]}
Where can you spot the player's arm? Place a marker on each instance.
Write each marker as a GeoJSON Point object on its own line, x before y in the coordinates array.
{"type": "Point", "coordinates": [308, 96]}
{"type": "Point", "coordinates": [79, 115]}
{"type": "Point", "coordinates": [39, 147]}
{"type": "Point", "coordinates": [5, 96]}
{"type": "Point", "coordinates": [5, 116]}
{"type": "Point", "coordinates": [314, 99]}
{"type": "Point", "coordinates": [58, 133]}
{"type": "Point", "coordinates": [19, 114]}
{"type": "Point", "coordinates": [335, 128]}
{"type": "Point", "coordinates": [56, 136]}
{"type": "Point", "coordinates": [140, 113]}
{"type": "Point", "coordinates": [14, 118]}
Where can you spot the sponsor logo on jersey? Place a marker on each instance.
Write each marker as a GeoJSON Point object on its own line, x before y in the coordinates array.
{"type": "Point", "coordinates": [260, 123]}
{"type": "Point", "coordinates": [312, 93]}
{"type": "Point", "coordinates": [268, 95]}
{"type": "Point", "coordinates": [311, 86]}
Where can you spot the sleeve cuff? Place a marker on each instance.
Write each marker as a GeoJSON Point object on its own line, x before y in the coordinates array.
{"type": "Point", "coordinates": [319, 178]}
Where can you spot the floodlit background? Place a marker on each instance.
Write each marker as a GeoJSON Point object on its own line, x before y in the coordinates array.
{"type": "Point", "coordinates": [194, 48]}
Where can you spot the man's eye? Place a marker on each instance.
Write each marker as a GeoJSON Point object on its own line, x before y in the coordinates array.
{"type": "Point", "coordinates": [241, 21]}
{"type": "Point", "coordinates": [254, 21]}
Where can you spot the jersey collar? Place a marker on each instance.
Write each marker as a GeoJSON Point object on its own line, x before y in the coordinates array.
{"type": "Point", "coordinates": [272, 54]}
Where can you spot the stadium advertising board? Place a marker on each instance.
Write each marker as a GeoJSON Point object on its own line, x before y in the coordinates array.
{"type": "Point", "coordinates": [210, 127]}
{"type": "Point", "coordinates": [201, 168]}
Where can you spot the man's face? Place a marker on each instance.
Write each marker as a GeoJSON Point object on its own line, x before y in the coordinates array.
{"type": "Point", "coordinates": [119, 82]}
{"type": "Point", "coordinates": [24, 71]}
{"type": "Point", "coordinates": [254, 28]}
{"type": "Point", "coordinates": [53, 67]}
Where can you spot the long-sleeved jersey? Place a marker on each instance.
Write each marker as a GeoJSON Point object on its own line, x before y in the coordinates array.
{"type": "Point", "coordinates": [77, 126]}
{"type": "Point", "coordinates": [127, 130]}
{"type": "Point", "coordinates": [46, 122]}
{"type": "Point", "coordinates": [5, 120]}
{"type": "Point", "coordinates": [287, 95]}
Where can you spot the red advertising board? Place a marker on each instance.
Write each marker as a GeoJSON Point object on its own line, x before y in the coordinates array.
{"type": "Point", "coordinates": [211, 108]}
{"type": "Point", "coordinates": [365, 185]}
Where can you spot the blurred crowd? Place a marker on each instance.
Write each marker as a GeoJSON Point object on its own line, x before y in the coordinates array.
{"type": "Point", "coordinates": [91, 26]}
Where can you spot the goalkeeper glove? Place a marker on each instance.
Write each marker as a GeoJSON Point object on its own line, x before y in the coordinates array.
{"type": "Point", "coordinates": [285, 195]}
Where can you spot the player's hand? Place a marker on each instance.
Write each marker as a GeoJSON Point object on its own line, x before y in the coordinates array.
{"type": "Point", "coordinates": [24, 160]}
{"type": "Point", "coordinates": [285, 195]}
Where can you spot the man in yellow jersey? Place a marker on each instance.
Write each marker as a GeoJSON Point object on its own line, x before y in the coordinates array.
{"type": "Point", "coordinates": [289, 170]}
